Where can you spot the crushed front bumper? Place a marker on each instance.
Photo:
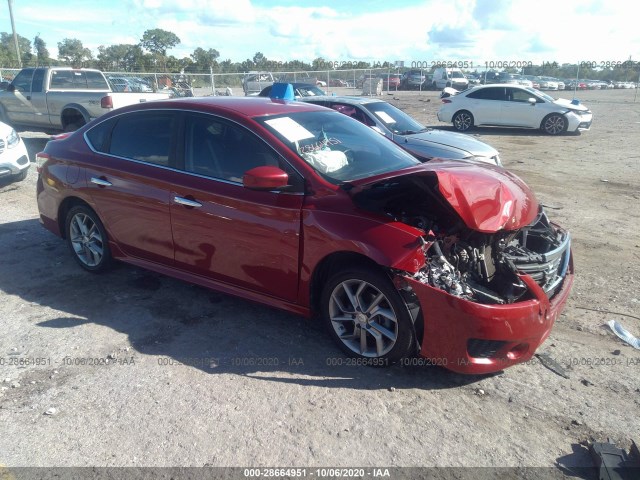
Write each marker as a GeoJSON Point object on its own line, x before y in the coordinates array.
{"type": "Point", "coordinates": [475, 338]}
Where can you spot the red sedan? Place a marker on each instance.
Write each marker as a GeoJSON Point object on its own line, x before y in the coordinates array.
{"type": "Point", "coordinates": [303, 208]}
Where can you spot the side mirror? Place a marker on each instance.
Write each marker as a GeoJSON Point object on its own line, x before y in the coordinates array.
{"type": "Point", "coordinates": [532, 101]}
{"type": "Point", "coordinates": [265, 178]}
{"type": "Point", "coordinates": [11, 88]}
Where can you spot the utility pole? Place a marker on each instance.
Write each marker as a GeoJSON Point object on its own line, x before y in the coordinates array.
{"type": "Point", "coordinates": [15, 36]}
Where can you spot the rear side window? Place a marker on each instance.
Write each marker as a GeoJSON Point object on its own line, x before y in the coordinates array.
{"type": "Point", "coordinates": [96, 80]}
{"type": "Point", "coordinates": [98, 137]}
{"type": "Point", "coordinates": [38, 78]}
{"type": "Point", "coordinates": [77, 80]}
{"type": "Point", "coordinates": [495, 93]}
{"type": "Point", "coordinates": [62, 79]}
{"type": "Point", "coordinates": [144, 136]}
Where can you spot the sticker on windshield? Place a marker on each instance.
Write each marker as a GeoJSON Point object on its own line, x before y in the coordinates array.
{"type": "Point", "coordinates": [385, 117]}
{"type": "Point", "coordinates": [290, 129]}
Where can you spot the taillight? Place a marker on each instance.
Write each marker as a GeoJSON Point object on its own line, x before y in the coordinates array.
{"type": "Point", "coordinates": [41, 158]}
{"type": "Point", "coordinates": [106, 102]}
{"type": "Point", "coordinates": [60, 136]}
{"type": "Point", "coordinates": [446, 100]}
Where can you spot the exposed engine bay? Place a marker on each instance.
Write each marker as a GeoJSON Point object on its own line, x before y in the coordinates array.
{"type": "Point", "coordinates": [480, 267]}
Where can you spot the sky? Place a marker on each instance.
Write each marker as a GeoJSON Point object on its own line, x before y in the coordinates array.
{"type": "Point", "coordinates": [347, 31]}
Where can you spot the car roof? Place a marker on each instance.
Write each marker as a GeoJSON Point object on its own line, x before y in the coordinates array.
{"type": "Point", "coordinates": [246, 106]}
{"type": "Point", "coordinates": [346, 99]}
{"type": "Point", "coordinates": [501, 85]}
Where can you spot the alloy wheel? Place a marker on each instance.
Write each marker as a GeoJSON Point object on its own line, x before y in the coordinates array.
{"type": "Point", "coordinates": [363, 318]}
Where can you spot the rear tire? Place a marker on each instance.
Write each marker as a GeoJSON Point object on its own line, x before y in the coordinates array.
{"type": "Point", "coordinates": [87, 239]}
{"type": "Point", "coordinates": [367, 317]}
{"type": "Point", "coordinates": [463, 121]}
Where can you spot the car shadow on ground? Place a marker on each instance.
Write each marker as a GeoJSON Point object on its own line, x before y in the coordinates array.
{"type": "Point", "coordinates": [573, 465]}
{"type": "Point", "coordinates": [180, 323]}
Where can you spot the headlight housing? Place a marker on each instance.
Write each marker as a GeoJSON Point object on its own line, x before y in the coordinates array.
{"type": "Point", "coordinates": [13, 140]}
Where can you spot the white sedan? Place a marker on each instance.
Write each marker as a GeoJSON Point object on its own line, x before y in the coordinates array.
{"type": "Point", "coordinates": [514, 106]}
{"type": "Point", "coordinates": [14, 160]}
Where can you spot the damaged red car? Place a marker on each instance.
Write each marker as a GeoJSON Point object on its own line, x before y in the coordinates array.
{"type": "Point", "coordinates": [303, 208]}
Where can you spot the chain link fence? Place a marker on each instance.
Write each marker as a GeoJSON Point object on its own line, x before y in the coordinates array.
{"type": "Point", "coordinates": [370, 81]}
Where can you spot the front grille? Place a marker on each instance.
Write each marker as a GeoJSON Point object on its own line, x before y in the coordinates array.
{"type": "Point", "coordinates": [2, 146]}
{"type": "Point", "coordinates": [547, 269]}
{"type": "Point", "coordinates": [480, 348]}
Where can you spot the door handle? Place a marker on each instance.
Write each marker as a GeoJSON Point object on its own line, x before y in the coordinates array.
{"type": "Point", "coordinates": [186, 202]}
{"type": "Point", "coordinates": [100, 182]}
{"type": "Point", "coordinates": [28, 97]}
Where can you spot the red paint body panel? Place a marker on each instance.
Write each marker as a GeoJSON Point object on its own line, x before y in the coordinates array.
{"type": "Point", "coordinates": [239, 236]}
{"type": "Point", "coordinates": [450, 322]}
{"type": "Point", "coordinates": [135, 209]}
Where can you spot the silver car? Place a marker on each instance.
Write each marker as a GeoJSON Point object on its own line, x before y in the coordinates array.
{"type": "Point", "coordinates": [422, 142]}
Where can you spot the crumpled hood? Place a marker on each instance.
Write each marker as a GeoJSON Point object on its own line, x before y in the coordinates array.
{"type": "Point", "coordinates": [451, 140]}
{"type": "Point", "coordinates": [487, 198]}
{"type": "Point", "coordinates": [567, 103]}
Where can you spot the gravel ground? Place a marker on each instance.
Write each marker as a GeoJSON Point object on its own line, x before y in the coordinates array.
{"type": "Point", "coordinates": [131, 368]}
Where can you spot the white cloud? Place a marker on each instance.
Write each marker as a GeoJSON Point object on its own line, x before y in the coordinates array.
{"type": "Point", "coordinates": [432, 30]}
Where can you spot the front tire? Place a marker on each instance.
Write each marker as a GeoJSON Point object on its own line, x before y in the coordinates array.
{"type": "Point", "coordinates": [367, 317]}
{"type": "Point", "coordinates": [554, 124]}
{"type": "Point", "coordinates": [463, 121]}
{"type": "Point", "coordinates": [87, 239]}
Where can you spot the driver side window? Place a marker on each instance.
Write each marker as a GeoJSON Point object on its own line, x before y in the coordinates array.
{"type": "Point", "coordinates": [22, 82]}
{"type": "Point", "coordinates": [521, 96]}
{"type": "Point", "coordinates": [219, 149]}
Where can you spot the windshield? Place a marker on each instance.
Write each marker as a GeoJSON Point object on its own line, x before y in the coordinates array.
{"type": "Point", "coordinates": [339, 148]}
{"type": "Point", "coordinates": [456, 74]}
{"type": "Point", "coordinates": [309, 91]}
{"type": "Point", "coordinates": [540, 94]}
{"type": "Point", "coordinates": [394, 119]}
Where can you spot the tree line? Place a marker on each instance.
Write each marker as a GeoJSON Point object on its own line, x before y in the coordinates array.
{"type": "Point", "coordinates": [150, 55]}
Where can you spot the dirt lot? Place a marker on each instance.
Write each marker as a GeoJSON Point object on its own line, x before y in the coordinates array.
{"type": "Point", "coordinates": [182, 376]}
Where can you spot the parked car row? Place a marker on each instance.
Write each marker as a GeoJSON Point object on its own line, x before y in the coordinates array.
{"type": "Point", "coordinates": [129, 84]}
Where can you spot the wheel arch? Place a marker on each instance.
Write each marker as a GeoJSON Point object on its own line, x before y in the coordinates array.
{"type": "Point", "coordinates": [65, 206]}
{"type": "Point", "coordinates": [74, 113]}
{"type": "Point", "coordinates": [332, 264]}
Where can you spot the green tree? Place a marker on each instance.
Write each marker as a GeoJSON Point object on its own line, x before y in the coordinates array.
{"type": "Point", "coordinates": [204, 59]}
{"type": "Point", "coordinates": [123, 56]}
{"type": "Point", "coordinates": [158, 41]}
{"type": "Point", "coordinates": [71, 51]}
{"type": "Point", "coordinates": [259, 60]}
{"type": "Point", "coordinates": [8, 56]}
{"type": "Point", "coordinates": [42, 54]}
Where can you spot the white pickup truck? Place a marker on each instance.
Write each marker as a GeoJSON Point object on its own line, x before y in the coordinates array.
{"type": "Point", "coordinates": [62, 98]}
